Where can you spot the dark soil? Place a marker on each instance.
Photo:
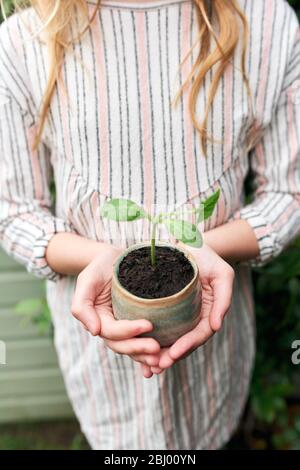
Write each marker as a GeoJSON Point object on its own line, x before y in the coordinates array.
{"type": "Point", "coordinates": [170, 275]}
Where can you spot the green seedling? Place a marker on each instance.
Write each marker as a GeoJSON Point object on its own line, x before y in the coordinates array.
{"type": "Point", "coordinates": [124, 210]}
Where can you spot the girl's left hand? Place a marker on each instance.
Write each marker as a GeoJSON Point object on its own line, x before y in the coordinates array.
{"type": "Point", "coordinates": [216, 277]}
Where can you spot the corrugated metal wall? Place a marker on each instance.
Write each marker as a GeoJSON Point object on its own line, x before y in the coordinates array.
{"type": "Point", "coordinates": [31, 386]}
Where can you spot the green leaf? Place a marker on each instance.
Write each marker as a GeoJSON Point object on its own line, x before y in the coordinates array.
{"type": "Point", "coordinates": [185, 232]}
{"type": "Point", "coordinates": [28, 307]}
{"type": "Point", "coordinates": [122, 210]}
{"type": "Point", "coordinates": [207, 207]}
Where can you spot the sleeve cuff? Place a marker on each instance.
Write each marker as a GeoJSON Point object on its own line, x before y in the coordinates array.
{"type": "Point", "coordinates": [264, 234]}
{"type": "Point", "coordinates": [39, 266]}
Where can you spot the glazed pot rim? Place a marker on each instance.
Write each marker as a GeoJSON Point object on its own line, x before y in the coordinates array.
{"type": "Point", "coordinates": [155, 301]}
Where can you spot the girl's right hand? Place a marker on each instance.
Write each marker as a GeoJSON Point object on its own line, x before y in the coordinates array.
{"type": "Point", "coordinates": [93, 308]}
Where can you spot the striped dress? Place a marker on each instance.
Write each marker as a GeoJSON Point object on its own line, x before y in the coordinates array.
{"type": "Point", "coordinates": [112, 132]}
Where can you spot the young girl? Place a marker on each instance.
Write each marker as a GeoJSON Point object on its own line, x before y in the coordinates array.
{"type": "Point", "coordinates": [161, 102]}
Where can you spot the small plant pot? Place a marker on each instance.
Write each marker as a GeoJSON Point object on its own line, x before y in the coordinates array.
{"type": "Point", "coordinates": [171, 316]}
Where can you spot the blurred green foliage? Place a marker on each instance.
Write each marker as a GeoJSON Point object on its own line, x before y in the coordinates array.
{"type": "Point", "coordinates": [7, 6]}
{"type": "Point", "coordinates": [272, 418]}
{"type": "Point", "coordinates": [275, 383]}
{"type": "Point", "coordinates": [36, 311]}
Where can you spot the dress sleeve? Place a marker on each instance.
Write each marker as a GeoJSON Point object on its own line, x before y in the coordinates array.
{"type": "Point", "coordinates": [274, 213]}
{"type": "Point", "coordinates": [26, 220]}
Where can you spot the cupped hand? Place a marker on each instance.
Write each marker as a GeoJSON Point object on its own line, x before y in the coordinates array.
{"type": "Point", "coordinates": [92, 306]}
{"type": "Point", "coordinates": [216, 277]}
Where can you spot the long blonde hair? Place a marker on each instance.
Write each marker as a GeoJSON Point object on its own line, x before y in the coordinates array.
{"type": "Point", "coordinates": [222, 25]}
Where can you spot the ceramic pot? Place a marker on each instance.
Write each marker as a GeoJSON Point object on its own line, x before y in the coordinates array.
{"type": "Point", "coordinates": [171, 316]}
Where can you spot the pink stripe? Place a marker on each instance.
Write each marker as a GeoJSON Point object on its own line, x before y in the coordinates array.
{"type": "Point", "coordinates": [96, 215]}
{"type": "Point", "coordinates": [286, 214]}
{"type": "Point", "coordinates": [103, 111]}
{"type": "Point", "coordinates": [250, 309]}
{"type": "Point", "coordinates": [22, 251]}
{"type": "Point", "coordinates": [187, 403]}
{"type": "Point", "coordinates": [267, 43]}
{"type": "Point", "coordinates": [112, 394]}
{"type": "Point", "coordinates": [166, 412]}
{"type": "Point", "coordinates": [48, 228]}
{"type": "Point", "coordinates": [190, 157]}
{"type": "Point", "coordinates": [85, 344]}
{"type": "Point", "coordinates": [246, 289]}
{"type": "Point", "coordinates": [211, 398]}
{"type": "Point", "coordinates": [209, 379]}
{"type": "Point", "coordinates": [145, 108]}
{"type": "Point", "coordinates": [40, 262]}
{"type": "Point", "coordinates": [262, 231]}
{"type": "Point", "coordinates": [228, 105]}
{"type": "Point", "coordinates": [231, 368]}
{"type": "Point", "coordinates": [140, 405]}
{"type": "Point", "coordinates": [65, 359]}
{"type": "Point", "coordinates": [36, 168]}
{"type": "Point", "coordinates": [247, 296]}
{"type": "Point", "coordinates": [221, 209]}
{"type": "Point", "coordinates": [64, 106]}
{"type": "Point", "coordinates": [293, 140]}
{"type": "Point", "coordinates": [261, 176]}
{"type": "Point", "coordinates": [71, 189]}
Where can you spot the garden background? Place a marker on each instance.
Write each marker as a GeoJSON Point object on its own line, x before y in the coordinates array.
{"type": "Point", "coordinates": [34, 410]}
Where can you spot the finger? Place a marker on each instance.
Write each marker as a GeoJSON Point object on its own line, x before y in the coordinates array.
{"type": "Point", "coordinates": [192, 340]}
{"type": "Point", "coordinates": [165, 360]}
{"type": "Point", "coordinates": [135, 346]}
{"type": "Point", "coordinates": [118, 330]}
{"type": "Point", "coordinates": [146, 371]}
{"type": "Point", "coordinates": [156, 370]}
{"type": "Point", "coordinates": [87, 315]}
{"type": "Point", "coordinates": [147, 359]}
{"type": "Point", "coordinates": [82, 306]}
{"type": "Point", "coordinates": [222, 293]}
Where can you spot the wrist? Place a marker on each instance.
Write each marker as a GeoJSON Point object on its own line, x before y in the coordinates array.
{"type": "Point", "coordinates": [97, 250]}
{"type": "Point", "coordinates": [210, 240]}
{"type": "Point", "coordinates": [69, 253]}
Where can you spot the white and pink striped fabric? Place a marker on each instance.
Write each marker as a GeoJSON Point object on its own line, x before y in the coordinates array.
{"type": "Point", "coordinates": [112, 132]}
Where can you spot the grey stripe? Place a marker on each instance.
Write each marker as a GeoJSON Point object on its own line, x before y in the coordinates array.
{"type": "Point", "coordinates": [152, 111]}
{"type": "Point", "coordinates": [181, 104]}
{"type": "Point", "coordinates": [127, 103]}
{"type": "Point", "coordinates": [139, 105]}
{"type": "Point", "coordinates": [120, 102]}
{"type": "Point", "coordinates": [170, 101]}
{"type": "Point", "coordinates": [96, 106]}
{"type": "Point", "coordinates": [85, 161]}
{"type": "Point", "coordinates": [162, 95]}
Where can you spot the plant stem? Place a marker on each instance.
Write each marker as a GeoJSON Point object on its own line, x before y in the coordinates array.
{"type": "Point", "coordinates": [153, 236]}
